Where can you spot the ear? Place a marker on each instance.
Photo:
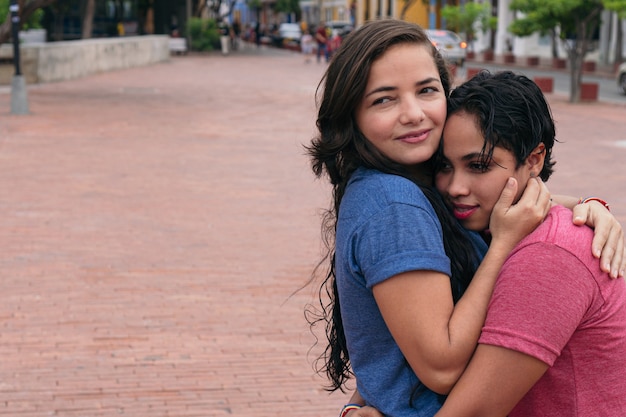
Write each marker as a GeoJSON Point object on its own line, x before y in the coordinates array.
{"type": "Point", "coordinates": [535, 160]}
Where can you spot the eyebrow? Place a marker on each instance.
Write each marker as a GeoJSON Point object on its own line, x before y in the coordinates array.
{"type": "Point", "coordinates": [389, 88]}
{"type": "Point", "coordinates": [472, 155]}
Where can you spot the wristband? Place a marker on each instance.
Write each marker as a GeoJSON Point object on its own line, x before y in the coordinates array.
{"type": "Point", "coordinates": [347, 408]}
{"type": "Point", "coordinates": [599, 200]}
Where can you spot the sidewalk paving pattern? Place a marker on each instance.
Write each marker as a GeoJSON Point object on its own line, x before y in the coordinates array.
{"type": "Point", "coordinates": [156, 223]}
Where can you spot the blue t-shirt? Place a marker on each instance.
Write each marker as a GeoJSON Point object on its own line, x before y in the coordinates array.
{"type": "Point", "coordinates": [386, 226]}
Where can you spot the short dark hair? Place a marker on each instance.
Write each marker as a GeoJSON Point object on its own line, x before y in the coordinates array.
{"type": "Point", "coordinates": [511, 112]}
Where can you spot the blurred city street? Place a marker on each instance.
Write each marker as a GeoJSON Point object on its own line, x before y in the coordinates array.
{"type": "Point", "coordinates": [158, 226]}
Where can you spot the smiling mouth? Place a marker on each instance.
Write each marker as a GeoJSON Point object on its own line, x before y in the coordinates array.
{"type": "Point", "coordinates": [463, 212]}
{"type": "Point", "coordinates": [414, 137]}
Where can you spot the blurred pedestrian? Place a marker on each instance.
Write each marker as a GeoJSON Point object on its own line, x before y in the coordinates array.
{"type": "Point", "coordinates": [307, 44]}
{"type": "Point", "coordinates": [236, 34]}
{"type": "Point", "coordinates": [224, 37]}
{"type": "Point", "coordinates": [321, 36]}
{"type": "Point", "coordinates": [257, 34]}
{"type": "Point", "coordinates": [334, 42]}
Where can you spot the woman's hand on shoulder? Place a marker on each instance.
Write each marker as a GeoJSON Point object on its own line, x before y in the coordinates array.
{"type": "Point", "coordinates": [608, 239]}
{"type": "Point", "coordinates": [511, 222]}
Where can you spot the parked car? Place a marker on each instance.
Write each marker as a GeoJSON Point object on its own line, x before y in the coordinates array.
{"type": "Point", "coordinates": [621, 76]}
{"type": "Point", "coordinates": [288, 33]}
{"type": "Point", "coordinates": [340, 26]}
{"type": "Point", "coordinates": [449, 44]}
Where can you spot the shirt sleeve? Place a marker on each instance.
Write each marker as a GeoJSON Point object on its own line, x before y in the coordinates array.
{"type": "Point", "coordinates": [542, 294]}
{"type": "Point", "coordinates": [400, 238]}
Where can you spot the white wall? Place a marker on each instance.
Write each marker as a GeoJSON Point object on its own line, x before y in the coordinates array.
{"type": "Point", "coordinates": [59, 61]}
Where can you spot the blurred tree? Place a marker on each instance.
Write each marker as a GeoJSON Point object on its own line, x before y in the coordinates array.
{"type": "Point", "coordinates": [288, 6]}
{"type": "Point", "coordinates": [204, 34]}
{"type": "Point", "coordinates": [143, 9]}
{"type": "Point", "coordinates": [30, 14]}
{"type": "Point", "coordinates": [90, 10]}
{"type": "Point", "coordinates": [575, 21]}
{"type": "Point", "coordinates": [200, 6]}
{"type": "Point", "coordinates": [618, 7]}
{"type": "Point", "coordinates": [469, 18]}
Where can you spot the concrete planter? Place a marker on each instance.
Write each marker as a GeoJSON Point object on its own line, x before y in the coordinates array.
{"type": "Point", "coordinates": [472, 71]}
{"type": "Point", "coordinates": [509, 58]}
{"type": "Point", "coordinates": [488, 55]}
{"type": "Point", "coordinates": [559, 63]}
{"type": "Point", "coordinates": [546, 84]}
{"type": "Point", "coordinates": [589, 91]}
{"type": "Point", "coordinates": [532, 61]}
{"type": "Point", "coordinates": [589, 66]}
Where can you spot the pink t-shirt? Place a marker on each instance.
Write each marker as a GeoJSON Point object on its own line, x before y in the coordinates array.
{"type": "Point", "coordinates": [552, 302]}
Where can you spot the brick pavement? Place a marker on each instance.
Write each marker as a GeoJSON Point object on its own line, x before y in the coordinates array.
{"type": "Point", "coordinates": [156, 221]}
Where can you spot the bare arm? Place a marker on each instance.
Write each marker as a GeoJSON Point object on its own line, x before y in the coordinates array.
{"type": "Point", "coordinates": [436, 336]}
{"type": "Point", "coordinates": [495, 381]}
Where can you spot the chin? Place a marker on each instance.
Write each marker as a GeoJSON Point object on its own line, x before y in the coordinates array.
{"type": "Point", "coordinates": [472, 226]}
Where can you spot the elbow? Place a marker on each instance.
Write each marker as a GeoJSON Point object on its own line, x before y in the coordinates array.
{"type": "Point", "coordinates": [442, 381]}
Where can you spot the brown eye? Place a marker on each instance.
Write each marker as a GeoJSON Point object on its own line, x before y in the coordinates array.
{"type": "Point", "coordinates": [479, 166]}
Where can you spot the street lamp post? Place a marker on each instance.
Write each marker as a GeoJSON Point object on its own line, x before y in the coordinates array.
{"type": "Point", "coordinates": [19, 100]}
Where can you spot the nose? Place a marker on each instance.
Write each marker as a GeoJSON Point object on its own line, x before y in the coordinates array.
{"type": "Point", "coordinates": [455, 184]}
{"type": "Point", "coordinates": [412, 111]}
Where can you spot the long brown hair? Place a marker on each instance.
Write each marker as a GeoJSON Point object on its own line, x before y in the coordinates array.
{"type": "Point", "coordinates": [340, 148]}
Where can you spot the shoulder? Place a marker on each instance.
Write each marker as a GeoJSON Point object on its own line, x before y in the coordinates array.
{"type": "Point", "coordinates": [557, 252]}
{"type": "Point", "coordinates": [376, 200]}
{"type": "Point", "coordinates": [559, 234]}
{"type": "Point", "coordinates": [384, 189]}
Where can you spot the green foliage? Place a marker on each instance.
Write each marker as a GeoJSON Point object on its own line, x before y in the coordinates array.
{"type": "Point", "coordinates": [538, 17]}
{"type": "Point", "coordinates": [617, 6]}
{"type": "Point", "coordinates": [574, 20]}
{"type": "Point", "coordinates": [469, 18]}
{"type": "Point", "coordinates": [287, 6]}
{"type": "Point", "coordinates": [33, 21]}
{"type": "Point", "coordinates": [544, 15]}
{"type": "Point", "coordinates": [204, 34]}
{"type": "Point", "coordinates": [526, 27]}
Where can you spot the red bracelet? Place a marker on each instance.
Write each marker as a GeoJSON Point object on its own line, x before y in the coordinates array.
{"type": "Point", "coordinates": [347, 408]}
{"type": "Point", "coordinates": [599, 200]}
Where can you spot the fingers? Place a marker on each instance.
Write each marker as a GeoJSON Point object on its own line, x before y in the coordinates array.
{"type": "Point", "coordinates": [619, 260]}
{"type": "Point", "coordinates": [602, 233]}
{"type": "Point", "coordinates": [608, 239]}
{"type": "Point", "coordinates": [536, 198]}
{"type": "Point", "coordinates": [509, 223]}
{"type": "Point", "coordinates": [612, 256]}
{"type": "Point", "coordinates": [621, 269]}
{"type": "Point", "coordinates": [543, 199]}
{"type": "Point", "coordinates": [580, 213]}
{"type": "Point", "coordinates": [508, 195]}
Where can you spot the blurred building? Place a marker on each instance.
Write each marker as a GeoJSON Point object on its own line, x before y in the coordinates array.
{"type": "Point", "coordinates": [64, 19]}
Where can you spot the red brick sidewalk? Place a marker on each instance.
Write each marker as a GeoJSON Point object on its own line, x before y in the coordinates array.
{"type": "Point", "coordinates": [155, 223]}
